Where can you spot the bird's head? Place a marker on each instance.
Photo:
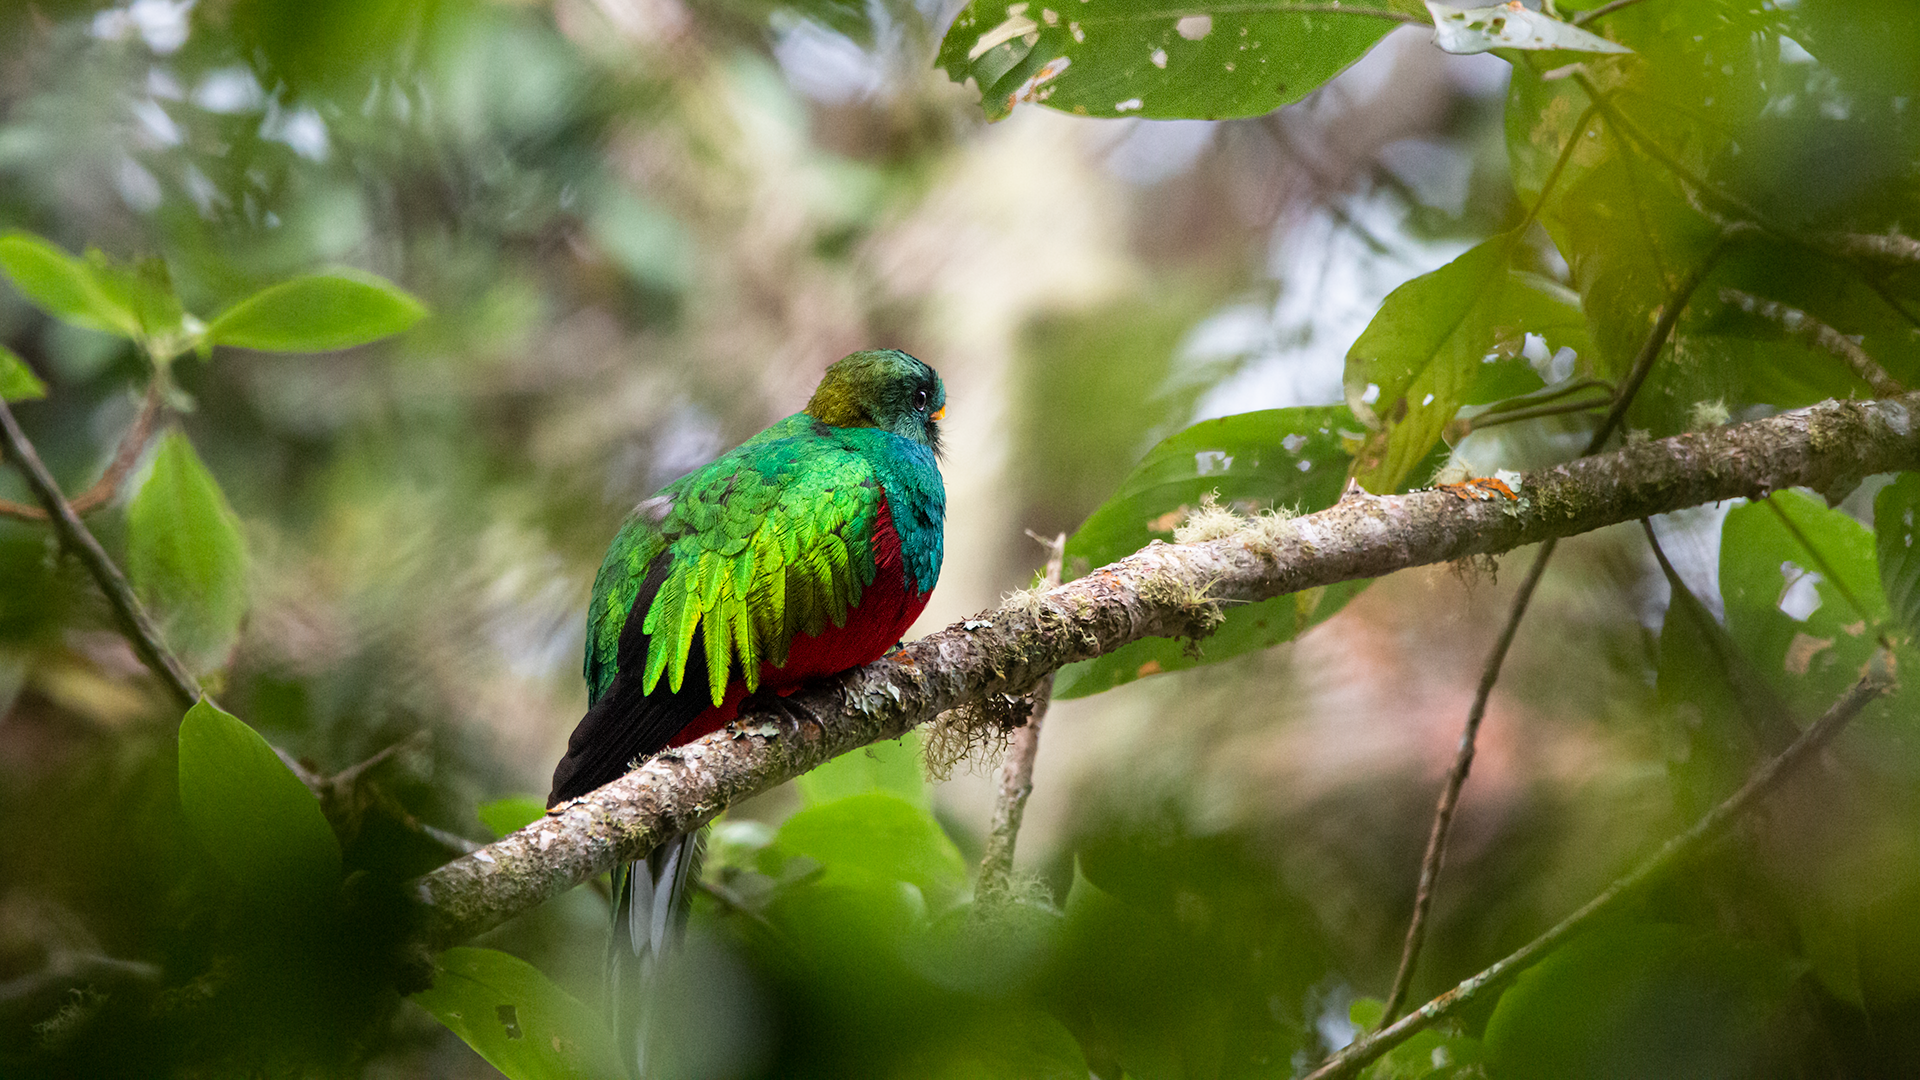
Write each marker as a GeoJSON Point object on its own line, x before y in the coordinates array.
{"type": "Point", "coordinates": [886, 389]}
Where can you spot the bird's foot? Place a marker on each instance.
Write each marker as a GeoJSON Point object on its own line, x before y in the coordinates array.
{"type": "Point", "coordinates": [776, 702]}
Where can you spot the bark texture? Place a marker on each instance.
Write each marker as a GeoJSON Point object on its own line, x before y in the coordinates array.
{"type": "Point", "coordinates": [1164, 590]}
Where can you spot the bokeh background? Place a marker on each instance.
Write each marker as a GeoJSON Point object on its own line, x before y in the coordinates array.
{"type": "Point", "coordinates": [643, 228]}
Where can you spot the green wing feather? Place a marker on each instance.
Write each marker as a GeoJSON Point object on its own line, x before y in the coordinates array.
{"type": "Point", "coordinates": [769, 541]}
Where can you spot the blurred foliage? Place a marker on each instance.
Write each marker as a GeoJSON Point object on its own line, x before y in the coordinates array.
{"type": "Point", "coordinates": [627, 233]}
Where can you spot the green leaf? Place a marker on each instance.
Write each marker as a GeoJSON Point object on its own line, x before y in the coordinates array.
{"type": "Point", "coordinates": [1030, 1045]}
{"type": "Point", "coordinates": [145, 288]}
{"type": "Point", "coordinates": [185, 553]}
{"type": "Point", "coordinates": [509, 815]}
{"type": "Point", "coordinates": [1802, 595]}
{"type": "Point", "coordinates": [1210, 60]}
{"type": "Point", "coordinates": [877, 838]}
{"type": "Point", "coordinates": [517, 1019]}
{"type": "Point", "coordinates": [1616, 1000]}
{"type": "Point", "coordinates": [1418, 359]}
{"type": "Point", "coordinates": [317, 313]}
{"type": "Point", "coordinates": [1465, 31]}
{"type": "Point", "coordinates": [253, 815]}
{"type": "Point", "coordinates": [63, 286]}
{"type": "Point", "coordinates": [1722, 715]}
{"type": "Point", "coordinates": [1532, 305]}
{"type": "Point", "coordinates": [1290, 458]}
{"type": "Point", "coordinates": [1895, 511]}
{"type": "Point", "coordinates": [17, 380]}
{"type": "Point", "coordinates": [893, 767]}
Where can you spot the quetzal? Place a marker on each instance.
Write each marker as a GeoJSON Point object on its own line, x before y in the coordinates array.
{"type": "Point", "coordinates": [805, 551]}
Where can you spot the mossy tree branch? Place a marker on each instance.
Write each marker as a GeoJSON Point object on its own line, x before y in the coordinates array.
{"type": "Point", "coordinates": [1828, 447]}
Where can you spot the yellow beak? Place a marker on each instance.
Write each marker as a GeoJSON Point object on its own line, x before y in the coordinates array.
{"type": "Point", "coordinates": [940, 413]}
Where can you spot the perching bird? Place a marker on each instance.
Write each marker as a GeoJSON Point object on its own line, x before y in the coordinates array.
{"type": "Point", "coordinates": [805, 551]}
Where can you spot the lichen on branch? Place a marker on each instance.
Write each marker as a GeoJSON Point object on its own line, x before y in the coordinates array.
{"type": "Point", "coordinates": [1829, 447]}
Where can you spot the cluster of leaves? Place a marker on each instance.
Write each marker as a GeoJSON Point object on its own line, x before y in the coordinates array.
{"type": "Point", "coordinates": [854, 916]}
{"type": "Point", "coordinates": [296, 961]}
{"type": "Point", "coordinates": [1650, 160]}
{"type": "Point", "coordinates": [185, 552]}
{"type": "Point", "coordinates": [1708, 199]}
{"type": "Point", "coordinates": [1721, 159]}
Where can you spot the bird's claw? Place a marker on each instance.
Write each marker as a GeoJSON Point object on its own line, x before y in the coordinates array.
{"type": "Point", "coordinates": [792, 710]}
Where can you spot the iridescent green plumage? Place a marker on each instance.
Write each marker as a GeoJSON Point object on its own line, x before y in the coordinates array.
{"type": "Point", "coordinates": [774, 539]}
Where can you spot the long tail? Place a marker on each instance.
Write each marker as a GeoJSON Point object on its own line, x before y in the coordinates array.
{"type": "Point", "coordinates": [651, 902]}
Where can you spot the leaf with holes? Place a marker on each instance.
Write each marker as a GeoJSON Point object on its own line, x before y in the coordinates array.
{"type": "Point", "coordinates": [186, 556]}
{"type": "Point", "coordinates": [1207, 61]}
{"type": "Point", "coordinates": [1294, 459]}
{"type": "Point", "coordinates": [1465, 31]}
{"type": "Point", "coordinates": [517, 1019]}
{"type": "Point", "coordinates": [1802, 595]}
{"type": "Point", "coordinates": [1418, 360]}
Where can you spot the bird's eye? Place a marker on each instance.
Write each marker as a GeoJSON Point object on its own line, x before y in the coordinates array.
{"type": "Point", "coordinates": [920, 400]}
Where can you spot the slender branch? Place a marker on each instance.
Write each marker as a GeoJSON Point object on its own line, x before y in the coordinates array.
{"type": "Point", "coordinates": [1602, 11]}
{"type": "Point", "coordinates": [134, 621]}
{"type": "Point", "coordinates": [1769, 718]}
{"type": "Point", "coordinates": [738, 905]}
{"type": "Point", "coordinates": [1891, 249]}
{"type": "Point", "coordinates": [1435, 856]}
{"type": "Point", "coordinates": [101, 491]}
{"type": "Point", "coordinates": [1163, 590]}
{"type": "Point", "coordinates": [1364, 1050]}
{"type": "Point", "coordinates": [1533, 412]}
{"type": "Point", "coordinates": [1798, 324]}
{"type": "Point", "coordinates": [1572, 386]}
{"type": "Point", "coordinates": [1016, 770]}
{"type": "Point", "coordinates": [1657, 340]}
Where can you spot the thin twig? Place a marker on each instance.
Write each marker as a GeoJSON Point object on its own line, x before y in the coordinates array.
{"type": "Point", "coordinates": [1572, 386]}
{"type": "Point", "coordinates": [738, 905]}
{"type": "Point", "coordinates": [1016, 770]}
{"type": "Point", "coordinates": [134, 621]}
{"type": "Point", "coordinates": [1799, 324]}
{"type": "Point", "coordinates": [1602, 11]}
{"type": "Point", "coordinates": [1436, 853]}
{"type": "Point", "coordinates": [1533, 412]}
{"type": "Point", "coordinates": [1364, 1050]}
{"type": "Point", "coordinates": [1892, 249]}
{"type": "Point", "coordinates": [1770, 720]}
{"type": "Point", "coordinates": [1435, 856]}
{"type": "Point", "coordinates": [101, 491]}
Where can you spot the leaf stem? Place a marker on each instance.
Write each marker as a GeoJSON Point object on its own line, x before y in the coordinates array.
{"type": "Point", "coordinates": [102, 490]}
{"type": "Point", "coordinates": [1356, 1055]}
{"type": "Point", "coordinates": [134, 621]}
